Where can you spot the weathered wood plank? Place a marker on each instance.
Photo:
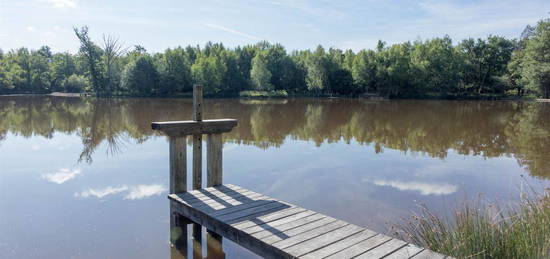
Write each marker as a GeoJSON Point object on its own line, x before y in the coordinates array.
{"type": "Point", "coordinates": [271, 220]}
{"type": "Point", "coordinates": [178, 164]}
{"type": "Point", "coordinates": [340, 245]}
{"type": "Point", "coordinates": [287, 242]}
{"type": "Point", "coordinates": [428, 254]}
{"type": "Point", "coordinates": [242, 208]}
{"type": "Point", "coordinates": [252, 211]}
{"type": "Point", "coordinates": [322, 240]}
{"type": "Point", "coordinates": [405, 252]}
{"type": "Point", "coordinates": [361, 247]}
{"type": "Point", "coordinates": [383, 250]}
{"type": "Point", "coordinates": [288, 227]}
{"type": "Point", "coordinates": [186, 128]}
{"type": "Point", "coordinates": [214, 161]}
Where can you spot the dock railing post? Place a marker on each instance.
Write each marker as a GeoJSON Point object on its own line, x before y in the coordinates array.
{"type": "Point", "coordinates": [197, 138]}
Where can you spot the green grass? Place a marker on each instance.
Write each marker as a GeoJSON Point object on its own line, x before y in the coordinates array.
{"type": "Point", "coordinates": [264, 94]}
{"type": "Point", "coordinates": [484, 230]}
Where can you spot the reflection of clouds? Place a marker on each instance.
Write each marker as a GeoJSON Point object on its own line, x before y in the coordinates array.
{"type": "Point", "coordinates": [134, 192]}
{"type": "Point", "coordinates": [144, 191]}
{"type": "Point", "coordinates": [61, 176]}
{"type": "Point", "coordinates": [423, 188]}
{"type": "Point", "coordinates": [101, 192]}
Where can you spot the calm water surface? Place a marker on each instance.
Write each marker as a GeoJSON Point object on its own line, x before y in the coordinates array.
{"type": "Point", "coordinates": [88, 178]}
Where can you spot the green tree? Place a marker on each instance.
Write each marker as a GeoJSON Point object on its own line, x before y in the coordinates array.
{"type": "Point", "coordinates": [140, 76]}
{"type": "Point", "coordinates": [317, 74]}
{"type": "Point", "coordinates": [209, 71]}
{"type": "Point", "coordinates": [174, 68]}
{"type": "Point", "coordinates": [92, 53]}
{"type": "Point", "coordinates": [536, 63]}
{"type": "Point", "coordinates": [259, 74]}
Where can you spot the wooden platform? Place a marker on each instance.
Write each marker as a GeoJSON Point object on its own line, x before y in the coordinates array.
{"type": "Point", "coordinates": [277, 229]}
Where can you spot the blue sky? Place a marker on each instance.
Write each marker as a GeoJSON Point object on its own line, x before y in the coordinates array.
{"type": "Point", "coordinates": [297, 24]}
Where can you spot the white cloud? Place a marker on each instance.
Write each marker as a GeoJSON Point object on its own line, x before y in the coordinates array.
{"type": "Point", "coordinates": [62, 3]}
{"type": "Point", "coordinates": [423, 188]}
{"type": "Point", "coordinates": [133, 192]}
{"type": "Point", "coordinates": [35, 147]}
{"type": "Point", "coordinates": [144, 191]}
{"type": "Point", "coordinates": [61, 176]}
{"type": "Point", "coordinates": [102, 192]}
{"type": "Point", "coordinates": [232, 31]}
{"type": "Point", "coordinates": [30, 28]}
{"type": "Point", "coordinates": [57, 27]}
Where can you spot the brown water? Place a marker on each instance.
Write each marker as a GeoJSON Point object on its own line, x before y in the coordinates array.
{"type": "Point", "coordinates": [87, 178]}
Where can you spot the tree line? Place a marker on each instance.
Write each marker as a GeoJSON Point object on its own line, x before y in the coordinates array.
{"type": "Point", "coordinates": [435, 67]}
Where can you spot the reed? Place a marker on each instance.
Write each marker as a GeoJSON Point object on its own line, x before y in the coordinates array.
{"type": "Point", "coordinates": [484, 230]}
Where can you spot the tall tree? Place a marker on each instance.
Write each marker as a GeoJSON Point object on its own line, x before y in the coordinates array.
{"type": "Point", "coordinates": [259, 74]}
{"type": "Point", "coordinates": [92, 54]}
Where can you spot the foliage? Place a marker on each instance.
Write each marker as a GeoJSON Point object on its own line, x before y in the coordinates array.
{"type": "Point", "coordinates": [140, 76]}
{"type": "Point", "coordinates": [259, 74]}
{"type": "Point", "coordinates": [264, 94]}
{"type": "Point", "coordinates": [435, 67]}
{"type": "Point", "coordinates": [485, 230]}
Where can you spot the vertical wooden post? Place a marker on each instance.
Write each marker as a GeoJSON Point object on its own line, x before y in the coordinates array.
{"type": "Point", "coordinates": [178, 235]}
{"type": "Point", "coordinates": [197, 139]}
{"type": "Point", "coordinates": [214, 246]}
{"type": "Point", "coordinates": [197, 102]}
{"type": "Point", "coordinates": [214, 159]}
{"type": "Point", "coordinates": [178, 164]}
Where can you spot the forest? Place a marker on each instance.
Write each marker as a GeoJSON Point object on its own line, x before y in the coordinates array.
{"type": "Point", "coordinates": [438, 67]}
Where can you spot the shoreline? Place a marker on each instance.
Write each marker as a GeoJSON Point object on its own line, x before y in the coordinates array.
{"type": "Point", "coordinates": [290, 96]}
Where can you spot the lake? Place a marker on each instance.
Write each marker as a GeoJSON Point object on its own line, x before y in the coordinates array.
{"type": "Point", "coordinates": [88, 178]}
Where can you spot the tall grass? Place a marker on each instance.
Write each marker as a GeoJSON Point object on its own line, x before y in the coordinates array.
{"type": "Point", "coordinates": [484, 230]}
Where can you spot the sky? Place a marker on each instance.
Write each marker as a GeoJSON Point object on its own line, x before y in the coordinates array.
{"type": "Point", "coordinates": [297, 24]}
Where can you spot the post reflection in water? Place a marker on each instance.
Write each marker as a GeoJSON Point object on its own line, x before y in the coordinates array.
{"type": "Point", "coordinates": [179, 239]}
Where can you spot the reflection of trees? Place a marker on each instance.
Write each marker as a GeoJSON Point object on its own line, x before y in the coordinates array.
{"type": "Point", "coordinates": [488, 129]}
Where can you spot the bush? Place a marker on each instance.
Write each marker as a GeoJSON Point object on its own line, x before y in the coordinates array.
{"type": "Point", "coordinates": [76, 84]}
{"type": "Point", "coordinates": [264, 94]}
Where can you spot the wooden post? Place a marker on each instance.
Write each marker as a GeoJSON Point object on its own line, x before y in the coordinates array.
{"type": "Point", "coordinates": [197, 139]}
{"type": "Point", "coordinates": [178, 235]}
{"type": "Point", "coordinates": [214, 159]}
{"type": "Point", "coordinates": [178, 164]}
{"type": "Point", "coordinates": [214, 246]}
{"type": "Point", "coordinates": [197, 102]}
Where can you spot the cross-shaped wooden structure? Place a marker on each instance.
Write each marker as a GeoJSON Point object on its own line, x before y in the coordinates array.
{"type": "Point", "coordinates": [177, 132]}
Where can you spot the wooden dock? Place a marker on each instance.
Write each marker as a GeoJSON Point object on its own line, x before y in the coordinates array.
{"type": "Point", "coordinates": [268, 227]}
{"type": "Point", "coordinates": [276, 229]}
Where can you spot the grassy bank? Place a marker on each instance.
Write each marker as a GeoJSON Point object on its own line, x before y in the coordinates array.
{"type": "Point", "coordinates": [484, 230]}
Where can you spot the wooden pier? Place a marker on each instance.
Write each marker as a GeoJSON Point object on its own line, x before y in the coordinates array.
{"type": "Point", "coordinates": [268, 227]}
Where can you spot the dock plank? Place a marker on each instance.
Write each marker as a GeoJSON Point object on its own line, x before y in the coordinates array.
{"type": "Point", "coordinates": [323, 240]}
{"type": "Point", "coordinates": [341, 245]}
{"type": "Point", "coordinates": [276, 229]}
{"type": "Point", "coordinates": [428, 254]}
{"type": "Point", "coordinates": [384, 249]}
{"type": "Point", "coordinates": [405, 252]}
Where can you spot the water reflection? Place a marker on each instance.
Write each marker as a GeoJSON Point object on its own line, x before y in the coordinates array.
{"type": "Point", "coordinates": [180, 238]}
{"type": "Point", "coordinates": [432, 128]}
